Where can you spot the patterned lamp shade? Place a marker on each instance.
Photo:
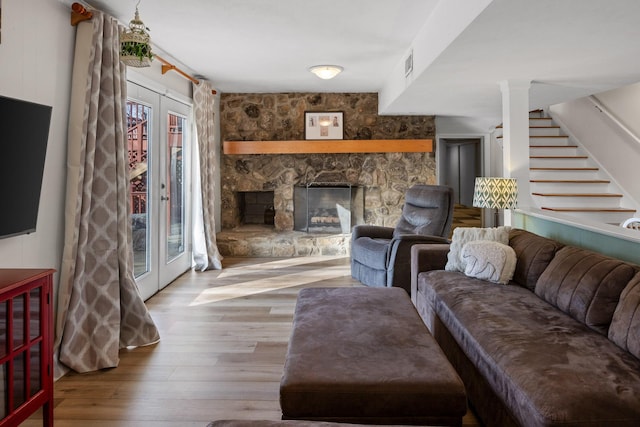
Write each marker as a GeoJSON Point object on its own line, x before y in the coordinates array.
{"type": "Point", "coordinates": [498, 193]}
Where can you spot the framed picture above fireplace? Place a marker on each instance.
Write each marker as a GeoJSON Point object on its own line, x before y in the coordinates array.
{"type": "Point", "coordinates": [323, 125]}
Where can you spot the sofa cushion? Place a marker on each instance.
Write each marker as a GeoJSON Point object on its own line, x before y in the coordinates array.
{"type": "Point", "coordinates": [625, 326]}
{"type": "Point", "coordinates": [492, 261]}
{"type": "Point", "coordinates": [534, 253]}
{"type": "Point", "coordinates": [464, 235]}
{"type": "Point", "coordinates": [547, 368]}
{"type": "Point", "coordinates": [585, 285]}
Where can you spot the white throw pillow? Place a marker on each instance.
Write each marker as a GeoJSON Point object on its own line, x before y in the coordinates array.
{"type": "Point", "coordinates": [492, 261]}
{"type": "Point", "coordinates": [463, 235]}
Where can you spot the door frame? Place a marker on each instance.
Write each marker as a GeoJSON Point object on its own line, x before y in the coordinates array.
{"type": "Point", "coordinates": [466, 172]}
{"type": "Point", "coordinates": [486, 163]}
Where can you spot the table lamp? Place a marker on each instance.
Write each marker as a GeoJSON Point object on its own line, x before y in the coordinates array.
{"type": "Point", "coordinates": [495, 193]}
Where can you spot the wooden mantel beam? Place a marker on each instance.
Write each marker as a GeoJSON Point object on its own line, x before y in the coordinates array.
{"type": "Point", "coordinates": [329, 146]}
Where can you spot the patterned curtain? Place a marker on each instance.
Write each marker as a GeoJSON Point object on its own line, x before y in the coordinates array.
{"type": "Point", "coordinates": [99, 307]}
{"type": "Point", "coordinates": [204, 103]}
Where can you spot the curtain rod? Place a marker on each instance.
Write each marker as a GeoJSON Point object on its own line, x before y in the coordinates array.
{"type": "Point", "coordinates": [79, 13]}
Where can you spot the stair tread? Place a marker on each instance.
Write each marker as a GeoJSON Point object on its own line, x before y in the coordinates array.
{"type": "Point", "coordinates": [574, 209]}
{"type": "Point", "coordinates": [536, 127]}
{"type": "Point", "coordinates": [577, 194]}
{"type": "Point", "coordinates": [559, 157]}
{"type": "Point", "coordinates": [553, 146]}
{"type": "Point", "coordinates": [542, 136]}
{"type": "Point", "coordinates": [563, 169]}
{"type": "Point", "coordinates": [571, 181]}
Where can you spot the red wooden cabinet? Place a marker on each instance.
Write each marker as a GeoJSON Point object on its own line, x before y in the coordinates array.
{"type": "Point", "coordinates": [26, 345]}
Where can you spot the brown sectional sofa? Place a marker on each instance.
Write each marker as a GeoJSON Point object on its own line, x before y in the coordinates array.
{"type": "Point", "coordinates": [558, 346]}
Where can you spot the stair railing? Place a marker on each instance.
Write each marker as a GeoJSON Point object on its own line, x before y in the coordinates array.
{"type": "Point", "coordinates": [600, 107]}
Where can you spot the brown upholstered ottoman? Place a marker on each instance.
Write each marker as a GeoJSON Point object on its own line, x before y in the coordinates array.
{"type": "Point", "coordinates": [285, 423]}
{"type": "Point", "coordinates": [363, 355]}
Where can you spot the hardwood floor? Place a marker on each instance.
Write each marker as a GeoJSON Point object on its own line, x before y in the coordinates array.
{"type": "Point", "coordinates": [223, 341]}
{"type": "Point", "coordinates": [466, 216]}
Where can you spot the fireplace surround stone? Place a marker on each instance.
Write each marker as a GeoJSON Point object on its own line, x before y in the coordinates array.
{"type": "Point", "coordinates": [382, 177]}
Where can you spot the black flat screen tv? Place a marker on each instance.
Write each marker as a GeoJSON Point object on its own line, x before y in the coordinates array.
{"type": "Point", "coordinates": [24, 132]}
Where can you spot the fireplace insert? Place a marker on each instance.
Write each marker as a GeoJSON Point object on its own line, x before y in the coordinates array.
{"type": "Point", "coordinates": [325, 207]}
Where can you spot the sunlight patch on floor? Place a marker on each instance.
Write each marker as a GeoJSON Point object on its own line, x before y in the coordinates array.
{"type": "Point", "coordinates": [275, 264]}
{"type": "Point", "coordinates": [282, 281]}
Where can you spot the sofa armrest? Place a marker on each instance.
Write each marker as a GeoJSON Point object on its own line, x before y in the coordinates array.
{"type": "Point", "coordinates": [372, 231]}
{"type": "Point", "coordinates": [399, 258]}
{"type": "Point", "coordinates": [426, 257]}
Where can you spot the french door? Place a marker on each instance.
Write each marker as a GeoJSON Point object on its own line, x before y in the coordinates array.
{"type": "Point", "coordinates": [159, 143]}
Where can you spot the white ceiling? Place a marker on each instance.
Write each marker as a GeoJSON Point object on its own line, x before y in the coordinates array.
{"type": "Point", "coordinates": [462, 49]}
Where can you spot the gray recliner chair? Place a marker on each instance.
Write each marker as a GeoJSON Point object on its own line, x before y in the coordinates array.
{"type": "Point", "coordinates": [381, 256]}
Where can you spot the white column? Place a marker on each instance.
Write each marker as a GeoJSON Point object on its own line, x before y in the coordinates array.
{"type": "Point", "coordinates": [515, 140]}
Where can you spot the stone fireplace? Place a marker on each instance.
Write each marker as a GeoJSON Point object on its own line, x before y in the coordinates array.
{"type": "Point", "coordinates": [381, 179]}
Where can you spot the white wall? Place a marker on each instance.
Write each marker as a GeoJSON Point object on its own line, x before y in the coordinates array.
{"type": "Point", "coordinates": [170, 83]}
{"type": "Point", "coordinates": [624, 103]}
{"type": "Point", "coordinates": [446, 22]}
{"type": "Point", "coordinates": [36, 58]}
{"type": "Point", "coordinates": [36, 54]}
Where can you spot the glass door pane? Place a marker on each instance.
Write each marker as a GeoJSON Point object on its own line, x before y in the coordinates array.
{"type": "Point", "coordinates": [138, 126]}
{"type": "Point", "coordinates": [175, 161]}
{"type": "Point", "coordinates": [160, 158]}
{"type": "Point", "coordinates": [174, 198]}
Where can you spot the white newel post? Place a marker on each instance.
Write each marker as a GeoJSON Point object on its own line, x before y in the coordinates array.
{"type": "Point", "coordinates": [515, 121]}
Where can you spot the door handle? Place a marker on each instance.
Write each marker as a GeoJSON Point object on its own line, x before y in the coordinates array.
{"type": "Point", "coordinates": [164, 198]}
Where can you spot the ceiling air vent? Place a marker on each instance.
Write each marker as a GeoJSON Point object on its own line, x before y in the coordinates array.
{"type": "Point", "coordinates": [408, 64]}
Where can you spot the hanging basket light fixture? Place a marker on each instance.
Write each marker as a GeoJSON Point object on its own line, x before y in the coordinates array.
{"type": "Point", "coordinates": [135, 44]}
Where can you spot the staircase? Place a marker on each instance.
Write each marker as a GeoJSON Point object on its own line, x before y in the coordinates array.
{"type": "Point", "coordinates": [565, 180]}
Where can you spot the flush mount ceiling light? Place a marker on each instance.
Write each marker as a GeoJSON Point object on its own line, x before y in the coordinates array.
{"type": "Point", "coordinates": [326, 71]}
